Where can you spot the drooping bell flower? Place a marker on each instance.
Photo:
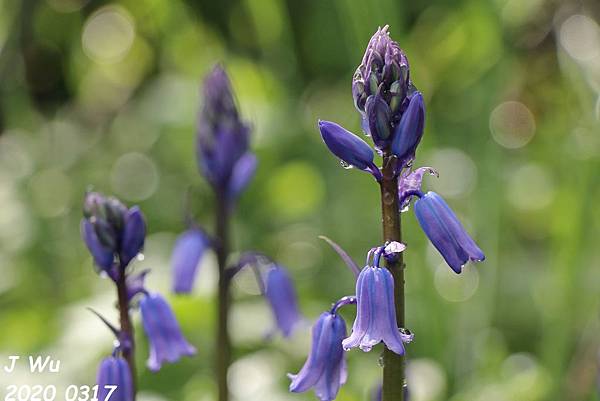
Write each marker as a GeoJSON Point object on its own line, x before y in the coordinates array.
{"type": "Point", "coordinates": [281, 296]}
{"type": "Point", "coordinates": [325, 369]}
{"type": "Point", "coordinates": [445, 231]}
{"type": "Point", "coordinates": [167, 343]}
{"type": "Point", "coordinates": [376, 313]}
{"type": "Point", "coordinates": [187, 253]}
{"type": "Point", "coordinates": [352, 150]}
{"type": "Point", "coordinates": [114, 378]}
{"type": "Point", "coordinates": [380, 87]}
{"type": "Point", "coordinates": [111, 231]}
{"type": "Point", "coordinates": [222, 138]}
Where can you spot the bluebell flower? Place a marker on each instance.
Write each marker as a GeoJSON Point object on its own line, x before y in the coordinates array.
{"type": "Point", "coordinates": [187, 253]}
{"type": "Point", "coordinates": [222, 139]}
{"type": "Point", "coordinates": [281, 295]}
{"type": "Point", "coordinates": [167, 343]}
{"type": "Point", "coordinates": [376, 313]}
{"type": "Point", "coordinates": [114, 371]}
{"type": "Point", "coordinates": [325, 369]}
{"type": "Point", "coordinates": [111, 231]}
{"type": "Point", "coordinates": [445, 231]}
{"type": "Point", "coordinates": [348, 147]}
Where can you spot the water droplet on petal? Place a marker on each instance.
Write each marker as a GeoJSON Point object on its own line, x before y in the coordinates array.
{"type": "Point", "coordinates": [140, 256]}
{"type": "Point", "coordinates": [345, 165]}
{"type": "Point", "coordinates": [103, 274]}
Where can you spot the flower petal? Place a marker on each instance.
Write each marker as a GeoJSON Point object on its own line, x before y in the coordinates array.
{"type": "Point", "coordinates": [186, 256]}
{"type": "Point", "coordinates": [134, 233]}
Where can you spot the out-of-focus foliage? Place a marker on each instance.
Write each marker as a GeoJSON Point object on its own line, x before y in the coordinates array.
{"type": "Point", "coordinates": [105, 93]}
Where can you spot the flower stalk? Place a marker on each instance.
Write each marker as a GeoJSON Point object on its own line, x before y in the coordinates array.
{"type": "Point", "coordinates": [223, 341]}
{"type": "Point", "coordinates": [393, 368]}
{"type": "Point", "coordinates": [126, 332]}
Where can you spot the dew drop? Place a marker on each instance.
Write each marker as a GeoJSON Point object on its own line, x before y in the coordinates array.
{"type": "Point", "coordinates": [388, 198]}
{"type": "Point", "coordinates": [140, 256]}
{"type": "Point", "coordinates": [345, 165]}
{"type": "Point", "coordinates": [381, 361]}
{"type": "Point", "coordinates": [103, 274]}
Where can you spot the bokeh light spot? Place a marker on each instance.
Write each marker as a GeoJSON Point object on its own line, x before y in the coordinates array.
{"type": "Point", "coordinates": [512, 124]}
{"type": "Point", "coordinates": [134, 177]}
{"type": "Point", "coordinates": [530, 188]}
{"type": "Point", "coordinates": [456, 287]}
{"type": "Point", "coordinates": [458, 176]}
{"type": "Point", "coordinates": [295, 190]}
{"type": "Point", "coordinates": [108, 35]}
{"type": "Point", "coordinates": [51, 191]}
{"type": "Point", "coordinates": [427, 379]}
{"type": "Point", "coordinates": [580, 36]}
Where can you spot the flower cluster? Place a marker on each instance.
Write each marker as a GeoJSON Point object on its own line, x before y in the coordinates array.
{"type": "Point", "coordinates": [325, 368]}
{"type": "Point", "coordinates": [226, 162]}
{"type": "Point", "coordinates": [222, 140]}
{"type": "Point", "coordinates": [114, 235]}
{"type": "Point", "coordinates": [393, 115]}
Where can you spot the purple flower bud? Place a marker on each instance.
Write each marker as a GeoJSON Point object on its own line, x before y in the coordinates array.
{"type": "Point", "coordinates": [383, 75]}
{"type": "Point", "coordinates": [103, 257]}
{"type": "Point", "coordinates": [348, 147]}
{"type": "Point", "coordinates": [281, 295]}
{"type": "Point", "coordinates": [378, 120]}
{"type": "Point", "coordinates": [167, 343]}
{"type": "Point", "coordinates": [325, 369]}
{"type": "Point", "coordinates": [409, 185]}
{"type": "Point", "coordinates": [113, 371]}
{"type": "Point", "coordinates": [109, 230]}
{"type": "Point", "coordinates": [242, 173]}
{"type": "Point", "coordinates": [134, 233]}
{"type": "Point", "coordinates": [445, 232]}
{"type": "Point", "coordinates": [222, 137]}
{"type": "Point", "coordinates": [409, 131]}
{"type": "Point", "coordinates": [376, 313]}
{"type": "Point", "coordinates": [188, 251]}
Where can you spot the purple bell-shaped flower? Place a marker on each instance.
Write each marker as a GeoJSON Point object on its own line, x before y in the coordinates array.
{"type": "Point", "coordinates": [167, 343]}
{"type": "Point", "coordinates": [325, 369]}
{"type": "Point", "coordinates": [114, 378]}
{"type": "Point", "coordinates": [445, 231]}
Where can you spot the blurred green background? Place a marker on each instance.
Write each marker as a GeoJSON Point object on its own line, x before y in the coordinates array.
{"type": "Point", "coordinates": [105, 94]}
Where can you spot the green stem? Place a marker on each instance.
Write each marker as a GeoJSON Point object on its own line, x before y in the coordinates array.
{"type": "Point", "coordinates": [393, 368]}
{"type": "Point", "coordinates": [223, 341]}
